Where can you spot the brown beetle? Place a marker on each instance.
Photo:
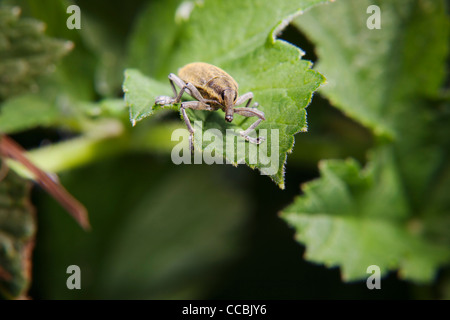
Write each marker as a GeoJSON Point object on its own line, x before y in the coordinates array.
{"type": "Point", "coordinates": [214, 89]}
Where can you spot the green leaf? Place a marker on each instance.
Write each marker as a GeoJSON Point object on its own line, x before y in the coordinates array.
{"type": "Point", "coordinates": [240, 37]}
{"type": "Point", "coordinates": [154, 38]}
{"type": "Point", "coordinates": [393, 213]}
{"type": "Point", "coordinates": [140, 93]}
{"type": "Point", "coordinates": [388, 67]}
{"type": "Point", "coordinates": [17, 231]}
{"type": "Point", "coordinates": [355, 218]}
{"type": "Point", "coordinates": [26, 112]}
{"type": "Point", "coordinates": [26, 52]}
{"type": "Point", "coordinates": [79, 76]}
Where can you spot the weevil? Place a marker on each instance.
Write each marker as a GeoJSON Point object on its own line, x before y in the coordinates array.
{"type": "Point", "coordinates": [213, 89]}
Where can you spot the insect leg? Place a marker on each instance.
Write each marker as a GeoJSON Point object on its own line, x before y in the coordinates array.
{"type": "Point", "coordinates": [188, 125]}
{"type": "Point", "coordinates": [247, 96]}
{"type": "Point", "coordinates": [193, 92]}
{"type": "Point", "coordinates": [181, 84]}
{"type": "Point", "coordinates": [189, 88]}
{"type": "Point", "coordinates": [173, 78]}
{"type": "Point", "coordinates": [251, 112]}
{"type": "Point", "coordinates": [166, 100]}
{"type": "Point", "coordinates": [194, 105]}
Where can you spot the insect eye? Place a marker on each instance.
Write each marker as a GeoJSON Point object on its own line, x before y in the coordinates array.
{"type": "Point", "coordinates": [234, 95]}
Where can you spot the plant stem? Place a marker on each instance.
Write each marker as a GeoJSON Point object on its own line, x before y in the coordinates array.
{"type": "Point", "coordinates": [106, 140]}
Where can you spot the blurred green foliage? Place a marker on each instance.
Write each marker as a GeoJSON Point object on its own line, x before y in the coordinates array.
{"type": "Point", "coordinates": [196, 231]}
{"type": "Point", "coordinates": [392, 211]}
{"type": "Point", "coordinates": [25, 52]}
{"type": "Point", "coordinates": [18, 229]}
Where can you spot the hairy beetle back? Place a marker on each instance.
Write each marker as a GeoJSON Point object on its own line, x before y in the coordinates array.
{"type": "Point", "coordinates": [210, 80]}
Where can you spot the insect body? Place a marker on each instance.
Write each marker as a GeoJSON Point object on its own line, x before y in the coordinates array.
{"type": "Point", "coordinates": [214, 89]}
